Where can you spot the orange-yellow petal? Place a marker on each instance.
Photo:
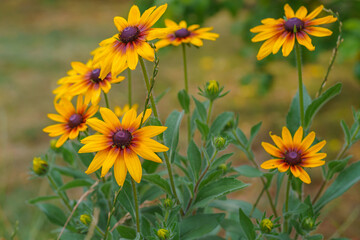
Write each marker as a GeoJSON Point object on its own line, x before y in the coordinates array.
{"type": "Point", "coordinates": [133, 164]}
{"type": "Point", "coordinates": [120, 170]}
{"type": "Point", "coordinates": [304, 176]}
{"type": "Point", "coordinates": [97, 162]}
{"type": "Point", "coordinates": [109, 161]}
{"type": "Point", "coordinates": [270, 164]}
{"type": "Point", "coordinates": [289, 12]}
{"type": "Point", "coordinates": [272, 150]}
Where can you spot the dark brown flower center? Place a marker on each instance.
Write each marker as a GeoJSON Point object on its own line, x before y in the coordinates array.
{"type": "Point", "coordinates": [75, 120]}
{"type": "Point", "coordinates": [182, 33]}
{"type": "Point", "coordinates": [291, 23]}
{"type": "Point", "coordinates": [122, 138]}
{"type": "Point", "coordinates": [129, 34]}
{"type": "Point", "coordinates": [293, 157]}
{"type": "Point", "coordinates": [94, 76]}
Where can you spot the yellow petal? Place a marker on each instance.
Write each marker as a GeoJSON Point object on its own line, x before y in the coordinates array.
{"type": "Point", "coordinates": [97, 162]}
{"type": "Point", "coordinates": [155, 15]}
{"type": "Point", "coordinates": [314, 149]}
{"type": "Point", "coordinates": [323, 20]}
{"type": "Point", "coordinates": [80, 67]}
{"type": "Point", "coordinates": [308, 140]}
{"type": "Point", "coordinates": [272, 150]}
{"type": "Point", "coordinates": [136, 123]}
{"type": "Point", "coordinates": [279, 42]}
{"type": "Point", "coordinates": [128, 118]}
{"type": "Point", "coordinates": [153, 145]}
{"type": "Point", "coordinates": [196, 41]}
{"type": "Point", "coordinates": [120, 170]}
{"type": "Point", "coordinates": [133, 165]}
{"type": "Point", "coordinates": [110, 118]}
{"type": "Point", "coordinates": [109, 161]}
{"type": "Point", "coordinates": [132, 57]}
{"type": "Point", "coordinates": [265, 35]}
{"type": "Point", "coordinates": [162, 43]}
{"type": "Point", "coordinates": [62, 140]}
{"type": "Point", "coordinates": [146, 153]}
{"type": "Point", "coordinates": [305, 40]}
{"type": "Point", "coordinates": [149, 131]}
{"type": "Point", "coordinates": [289, 13]}
{"type": "Point", "coordinates": [314, 157]}
{"type": "Point", "coordinates": [304, 176]}
{"type": "Point", "coordinates": [170, 23]}
{"type": "Point", "coordinates": [266, 48]}
{"type": "Point", "coordinates": [98, 126]}
{"type": "Point", "coordinates": [295, 171]}
{"type": "Point", "coordinates": [278, 142]}
{"type": "Point", "coordinates": [146, 51]}
{"type": "Point", "coordinates": [57, 118]}
{"type": "Point", "coordinates": [288, 45]}
{"type": "Point", "coordinates": [314, 13]}
{"type": "Point", "coordinates": [301, 12]}
{"type": "Point", "coordinates": [287, 139]}
{"type": "Point", "coordinates": [145, 16]}
{"type": "Point", "coordinates": [120, 23]}
{"type": "Point", "coordinates": [312, 164]}
{"type": "Point", "coordinates": [298, 137]}
{"type": "Point", "coordinates": [74, 133]}
{"type": "Point", "coordinates": [283, 167]}
{"type": "Point", "coordinates": [318, 31]}
{"type": "Point", "coordinates": [270, 164]}
{"type": "Point", "coordinates": [134, 16]}
{"type": "Point", "coordinates": [93, 147]}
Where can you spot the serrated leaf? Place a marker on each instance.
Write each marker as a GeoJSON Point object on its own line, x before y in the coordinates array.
{"type": "Point", "coordinates": [342, 183]}
{"type": "Point", "coordinates": [194, 227]}
{"type": "Point", "coordinates": [42, 199]}
{"type": "Point", "coordinates": [194, 158]}
{"type": "Point", "coordinates": [217, 189]}
{"type": "Point", "coordinates": [53, 213]}
{"type": "Point", "coordinates": [158, 181]}
{"type": "Point", "coordinates": [171, 135]}
{"type": "Point", "coordinates": [220, 122]}
{"type": "Point", "coordinates": [246, 225]}
{"type": "Point", "coordinates": [315, 106]}
{"type": "Point", "coordinates": [76, 183]}
{"type": "Point", "coordinates": [248, 171]}
{"type": "Point", "coordinates": [184, 100]}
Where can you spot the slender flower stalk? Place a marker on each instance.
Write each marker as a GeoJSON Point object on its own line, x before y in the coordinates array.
{"type": "Point", "coordinates": [112, 210]}
{"type": "Point", "coordinates": [60, 194]}
{"type": "Point", "coordinates": [106, 100]}
{"type": "Point", "coordinates": [129, 88]}
{"type": "Point", "coordinates": [136, 202]}
{"type": "Point", "coordinates": [154, 109]}
{"type": "Point", "coordinates": [287, 203]}
{"type": "Point", "coordinates": [301, 92]}
{"type": "Point", "coordinates": [186, 89]}
{"type": "Point", "coordinates": [209, 112]}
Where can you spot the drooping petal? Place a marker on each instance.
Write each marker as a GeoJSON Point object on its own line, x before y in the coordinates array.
{"type": "Point", "coordinates": [133, 165]}
{"type": "Point", "coordinates": [97, 162]}
{"type": "Point", "coordinates": [74, 133]}
{"type": "Point", "coordinates": [120, 170]}
{"type": "Point", "coordinates": [283, 167]}
{"type": "Point", "coordinates": [266, 48]}
{"type": "Point", "coordinates": [143, 151]}
{"type": "Point", "coordinates": [288, 45]}
{"type": "Point", "coordinates": [132, 57]}
{"type": "Point", "coordinates": [279, 42]}
{"type": "Point", "coordinates": [304, 176]}
{"type": "Point", "coordinates": [146, 51]}
{"type": "Point", "coordinates": [109, 161]}
{"type": "Point", "coordinates": [295, 171]}
{"type": "Point", "coordinates": [305, 40]}
{"type": "Point", "coordinates": [62, 140]}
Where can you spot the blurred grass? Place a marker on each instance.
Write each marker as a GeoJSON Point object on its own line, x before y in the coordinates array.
{"type": "Point", "coordinates": [40, 38]}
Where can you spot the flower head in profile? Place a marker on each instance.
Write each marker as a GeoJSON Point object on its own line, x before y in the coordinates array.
{"type": "Point", "coordinates": [84, 79]}
{"type": "Point", "coordinates": [71, 120]}
{"type": "Point", "coordinates": [294, 153]}
{"type": "Point", "coordinates": [181, 33]}
{"type": "Point", "coordinates": [122, 49]}
{"type": "Point", "coordinates": [120, 144]}
{"type": "Point", "coordinates": [120, 112]}
{"type": "Point", "coordinates": [282, 32]}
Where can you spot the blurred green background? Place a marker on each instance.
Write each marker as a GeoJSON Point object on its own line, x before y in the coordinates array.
{"type": "Point", "coordinates": [39, 39]}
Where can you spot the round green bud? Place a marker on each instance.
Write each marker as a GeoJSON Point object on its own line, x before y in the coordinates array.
{"type": "Point", "coordinates": [223, 167]}
{"type": "Point", "coordinates": [85, 219]}
{"type": "Point", "coordinates": [212, 87]}
{"type": "Point", "coordinates": [220, 143]}
{"type": "Point", "coordinates": [308, 223]}
{"type": "Point", "coordinates": [53, 144]}
{"type": "Point", "coordinates": [40, 167]}
{"type": "Point", "coordinates": [163, 234]}
{"type": "Point", "coordinates": [168, 203]}
{"type": "Point", "coordinates": [266, 225]}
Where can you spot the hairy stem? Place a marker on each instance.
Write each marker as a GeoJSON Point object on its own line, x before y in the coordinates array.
{"type": "Point", "coordinates": [112, 210]}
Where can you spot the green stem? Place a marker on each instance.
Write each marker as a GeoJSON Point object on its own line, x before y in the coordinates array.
{"type": "Point", "coordinates": [100, 231]}
{"type": "Point", "coordinates": [287, 203]}
{"type": "Point", "coordinates": [153, 107]}
{"type": "Point", "coordinates": [252, 160]}
{"type": "Point", "coordinates": [112, 210]}
{"type": "Point", "coordinates": [209, 112]}
{"type": "Point", "coordinates": [257, 201]}
{"type": "Point", "coordinates": [301, 93]}
{"type": "Point", "coordinates": [186, 89]}
{"type": "Point", "coordinates": [59, 193]}
{"type": "Point", "coordinates": [136, 202]}
{"type": "Point", "coordinates": [106, 100]}
{"type": "Point", "coordinates": [129, 88]}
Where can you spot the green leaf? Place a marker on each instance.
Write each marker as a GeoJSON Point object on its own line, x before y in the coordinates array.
{"type": "Point", "coordinates": [254, 130]}
{"type": "Point", "coordinates": [220, 160]}
{"type": "Point", "coordinates": [315, 106]}
{"type": "Point", "coordinates": [347, 133]}
{"type": "Point", "coordinates": [246, 225]}
{"type": "Point", "coordinates": [68, 156]}
{"type": "Point", "coordinates": [76, 183]}
{"type": "Point", "coordinates": [42, 199]}
{"type": "Point", "coordinates": [342, 183]}
{"type": "Point", "coordinates": [232, 205]}
{"type": "Point", "coordinates": [248, 171]}
{"type": "Point", "coordinates": [201, 109]}
{"type": "Point", "coordinates": [158, 181]}
{"type": "Point", "coordinates": [171, 135]}
{"type": "Point", "coordinates": [217, 189]}
{"type": "Point", "coordinates": [53, 213]}
{"type": "Point", "coordinates": [126, 232]}
{"type": "Point", "coordinates": [203, 128]}
{"type": "Point", "coordinates": [293, 116]}
{"type": "Point", "coordinates": [194, 157]}
{"type": "Point", "coordinates": [184, 100]}
{"type": "Point", "coordinates": [161, 95]}
{"type": "Point", "coordinates": [336, 166]}
{"type": "Point", "coordinates": [71, 172]}
{"type": "Point", "coordinates": [197, 226]}
{"type": "Point", "coordinates": [220, 122]}
{"type": "Point", "coordinates": [85, 158]}
{"type": "Point", "coordinates": [315, 237]}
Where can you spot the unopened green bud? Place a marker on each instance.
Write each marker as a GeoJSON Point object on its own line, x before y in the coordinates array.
{"type": "Point", "coordinates": [212, 87]}
{"type": "Point", "coordinates": [308, 223]}
{"type": "Point", "coordinates": [266, 225]}
{"type": "Point", "coordinates": [220, 143]}
{"type": "Point", "coordinates": [168, 203]}
{"type": "Point", "coordinates": [53, 144]}
{"type": "Point", "coordinates": [223, 167]}
{"type": "Point", "coordinates": [40, 167]}
{"type": "Point", "coordinates": [163, 234]}
{"type": "Point", "coordinates": [85, 219]}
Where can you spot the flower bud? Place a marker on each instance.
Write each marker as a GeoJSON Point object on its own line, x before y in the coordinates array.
{"type": "Point", "coordinates": [168, 203]}
{"type": "Point", "coordinates": [163, 234]}
{"type": "Point", "coordinates": [266, 225]}
{"type": "Point", "coordinates": [53, 144]}
{"type": "Point", "coordinates": [220, 143]}
{"type": "Point", "coordinates": [85, 219]}
{"type": "Point", "coordinates": [223, 167]}
{"type": "Point", "coordinates": [40, 167]}
{"type": "Point", "coordinates": [308, 223]}
{"type": "Point", "coordinates": [212, 87]}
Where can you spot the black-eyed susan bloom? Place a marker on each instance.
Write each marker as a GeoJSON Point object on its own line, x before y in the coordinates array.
{"type": "Point", "coordinates": [119, 144]}
{"type": "Point", "coordinates": [280, 32]}
{"type": "Point", "coordinates": [294, 153]}
{"type": "Point", "coordinates": [122, 49]}
{"type": "Point", "coordinates": [71, 120]}
{"type": "Point", "coordinates": [86, 81]}
{"type": "Point", "coordinates": [181, 33]}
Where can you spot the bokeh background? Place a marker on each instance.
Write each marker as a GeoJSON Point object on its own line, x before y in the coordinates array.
{"type": "Point", "coordinates": [39, 39]}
